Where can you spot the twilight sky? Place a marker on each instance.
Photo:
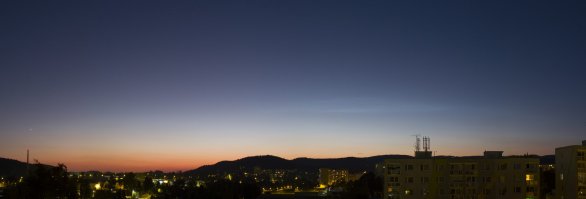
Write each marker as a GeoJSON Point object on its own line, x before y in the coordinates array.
{"type": "Point", "coordinates": [171, 85]}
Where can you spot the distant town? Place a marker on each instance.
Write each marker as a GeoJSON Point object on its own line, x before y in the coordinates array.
{"type": "Point", "coordinates": [423, 175]}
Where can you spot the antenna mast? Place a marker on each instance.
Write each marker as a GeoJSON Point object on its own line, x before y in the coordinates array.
{"type": "Point", "coordinates": [426, 143]}
{"type": "Point", "coordinates": [417, 143]}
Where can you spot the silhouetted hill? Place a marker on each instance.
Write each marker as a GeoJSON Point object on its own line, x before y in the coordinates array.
{"type": "Point", "coordinates": [15, 168]}
{"type": "Point", "coordinates": [353, 164]}
{"type": "Point", "coordinates": [10, 167]}
{"type": "Point", "coordinates": [303, 164]}
{"type": "Point", "coordinates": [265, 162]}
{"type": "Point", "coordinates": [547, 159]}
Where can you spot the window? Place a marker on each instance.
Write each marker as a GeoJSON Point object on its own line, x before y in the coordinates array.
{"type": "Point", "coordinates": [517, 166]}
{"type": "Point", "coordinates": [394, 169]}
{"type": "Point", "coordinates": [582, 180]}
{"type": "Point", "coordinates": [409, 179]}
{"type": "Point", "coordinates": [409, 167]}
{"type": "Point", "coordinates": [529, 177]}
{"type": "Point", "coordinates": [394, 179]}
{"type": "Point", "coordinates": [519, 177]}
{"type": "Point", "coordinates": [424, 167]}
{"type": "Point", "coordinates": [517, 189]}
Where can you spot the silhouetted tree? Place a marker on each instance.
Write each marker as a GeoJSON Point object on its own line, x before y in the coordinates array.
{"type": "Point", "coordinates": [130, 183]}
{"type": "Point", "coordinates": [85, 189]}
{"type": "Point", "coordinates": [368, 186]}
{"type": "Point", "coordinates": [46, 182]}
{"type": "Point", "coordinates": [148, 185]}
{"type": "Point", "coordinates": [223, 189]}
{"type": "Point", "coordinates": [106, 194]}
{"type": "Point", "coordinates": [110, 183]}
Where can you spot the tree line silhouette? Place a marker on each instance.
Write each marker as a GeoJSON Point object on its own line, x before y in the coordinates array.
{"type": "Point", "coordinates": [56, 182]}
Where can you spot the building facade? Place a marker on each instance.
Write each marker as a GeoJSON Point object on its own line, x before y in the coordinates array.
{"type": "Point", "coordinates": [570, 166]}
{"type": "Point", "coordinates": [328, 177]}
{"type": "Point", "coordinates": [489, 176]}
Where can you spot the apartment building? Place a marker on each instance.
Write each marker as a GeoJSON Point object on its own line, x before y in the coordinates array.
{"type": "Point", "coordinates": [328, 177]}
{"type": "Point", "coordinates": [489, 176]}
{"type": "Point", "coordinates": [570, 169]}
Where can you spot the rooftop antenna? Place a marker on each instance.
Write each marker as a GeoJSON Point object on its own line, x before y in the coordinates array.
{"type": "Point", "coordinates": [417, 143]}
{"type": "Point", "coordinates": [426, 143]}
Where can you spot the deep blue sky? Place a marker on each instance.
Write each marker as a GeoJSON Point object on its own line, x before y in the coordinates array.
{"type": "Point", "coordinates": [93, 83]}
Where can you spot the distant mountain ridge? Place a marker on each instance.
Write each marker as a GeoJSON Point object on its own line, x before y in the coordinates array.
{"type": "Point", "coordinates": [353, 164]}
{"type": "Point", "coordinates": [10, 167]}
{"type": "Point", "coordinates": [547, 159]}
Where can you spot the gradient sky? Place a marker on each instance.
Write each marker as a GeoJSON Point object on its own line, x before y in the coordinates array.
{"type": "Point", "coordinates": [171, 85]}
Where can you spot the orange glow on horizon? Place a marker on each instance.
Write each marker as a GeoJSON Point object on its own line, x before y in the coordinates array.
{"type": "Point", "coordinates": [170, 156]}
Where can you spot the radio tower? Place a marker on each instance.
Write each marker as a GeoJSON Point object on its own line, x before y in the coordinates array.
{"type": "Point", "coordinates": [27, 163]}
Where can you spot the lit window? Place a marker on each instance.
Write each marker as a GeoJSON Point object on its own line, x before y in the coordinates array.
{"type": "Point", "coordinates": [529, 177]}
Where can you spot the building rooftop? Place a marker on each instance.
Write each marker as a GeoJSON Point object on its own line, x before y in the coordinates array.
{"type": "Point", "coordinates": [471, 157]}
